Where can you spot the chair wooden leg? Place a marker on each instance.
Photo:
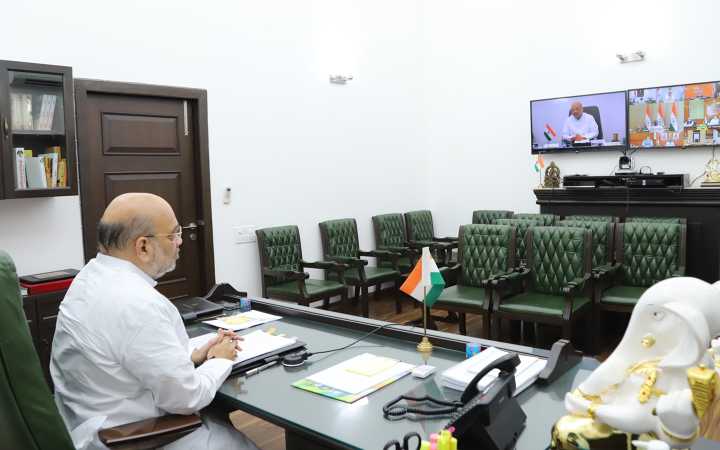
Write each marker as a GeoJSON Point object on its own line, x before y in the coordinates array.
{"type": "Point", "coordinates": [495, 332]}
{"type": "Point", "coordinates": [485, 334]}
{"type": "Point", "coordinates": [365, 302]}
{"type": "Point", "coordinates": [462, 325]}
{"type": "Point", "coordinates": [356, 297]}
{"type": "Point", "coordinates": [326, 303]}
{"type": "Point", "coordinates": [567, 330]}
{"type": "Point", "coordinates": [398, 304]}
{"type": "Point", "coordinates": [344, 302]}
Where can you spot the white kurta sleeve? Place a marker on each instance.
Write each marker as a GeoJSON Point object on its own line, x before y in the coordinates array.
{"type": "Point", "coordinates": [161, 363]}
{"type": "Point", "coordinates": [592, 128]}
{"type": "Point", "coordinates": [566, 133]}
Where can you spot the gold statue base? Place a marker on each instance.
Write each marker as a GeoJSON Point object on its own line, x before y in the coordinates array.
{"type": "Point", "coordinates": [425, 346]}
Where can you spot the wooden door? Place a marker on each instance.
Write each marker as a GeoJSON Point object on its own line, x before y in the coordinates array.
{"type": "Point", "coordinates": [139, 138]}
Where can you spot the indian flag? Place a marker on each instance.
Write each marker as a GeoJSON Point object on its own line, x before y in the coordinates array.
{"type": "Point", "coordinates": [539, 163]}
{"type": "Point", "coordinates": [425, 283]}
{"type": "Point", "coordinates": [661, 115]}
{"type": "Point", "coordinates": [673, 118]}
{"type": "Point", "coordinates": [648, 120]}
{"type": "Point", "coordinates": [549, 132]}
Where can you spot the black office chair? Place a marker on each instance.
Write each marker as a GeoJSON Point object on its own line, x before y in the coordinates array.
{"type": "Point", "coordinates": [595, 112]}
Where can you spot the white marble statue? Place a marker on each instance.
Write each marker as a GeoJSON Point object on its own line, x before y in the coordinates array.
{"type": "Point", "coordinates": [657, 384]}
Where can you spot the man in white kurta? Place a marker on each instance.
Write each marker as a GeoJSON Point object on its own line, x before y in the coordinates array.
{"type": "Point", "coordinates": [120, 351]}
{"type": "Point", "coordinates": [579, 125]}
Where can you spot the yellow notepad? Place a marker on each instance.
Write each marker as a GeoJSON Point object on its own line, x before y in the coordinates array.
{"type": "Point", "coordinates": [372, 367]}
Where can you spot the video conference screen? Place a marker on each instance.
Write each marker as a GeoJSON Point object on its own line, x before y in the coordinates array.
{"type": "Point", "coordinates": [579, 123]}
{"type": "Point", "coordinates": [675, 116]}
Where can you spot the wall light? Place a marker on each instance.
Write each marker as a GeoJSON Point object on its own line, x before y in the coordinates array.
{"type": "Point", "coordinates": [340, 79]}
{"type": "Point", "coordinates": [632, 57]}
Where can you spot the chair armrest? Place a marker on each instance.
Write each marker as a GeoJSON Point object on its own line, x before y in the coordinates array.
{"type": "Point", "coordinates": [575, 286]}
{"type": "Point", "coordinates": [446, 239]}
{"type": "Point", "coordinates": [433, 246]}
{"type": "Point", "coordinates": [607, 270]}
{"type": "Point", "coordinates": [149, 433]}
{"type": "Point", "coordinates": [511, 277]}
{"type": "Point", "coordinates": [380, 254]}
{"type": "Point", "coordinates": [403, 251]}
{"type": "Point", "coordinates": [285, 274]}
{"type": "Point", "coordinates": [329, 265]}
{"type": "Point", "coordinates": [352, 262]}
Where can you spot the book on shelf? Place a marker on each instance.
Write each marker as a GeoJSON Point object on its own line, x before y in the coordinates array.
{"type": "Point", "coordinates": [21, 111]}
{"type": "Point", "coordinates": [20, 177]}
{"type": "Point", "coordinates": [35, 170]}
{"type": "Point", "coordinates": [62, 173]}
{"type": "Point", "coordinates": [47, 164]}
{"type": "Point", "coordinates": [47, 113]}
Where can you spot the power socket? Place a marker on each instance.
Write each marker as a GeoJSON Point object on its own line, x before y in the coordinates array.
{"type": "Point", "coordinates": [244, 234]}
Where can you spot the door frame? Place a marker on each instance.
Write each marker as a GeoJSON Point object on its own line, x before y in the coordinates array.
{"type": "Point", "coordinates": [197, 101]}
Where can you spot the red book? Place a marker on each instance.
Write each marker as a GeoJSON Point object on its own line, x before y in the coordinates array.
{"type": "Point", "coordinates": [47, 286]}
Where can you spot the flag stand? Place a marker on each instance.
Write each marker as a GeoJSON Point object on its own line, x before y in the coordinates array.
{"type": "Point", "coordinates": [425, 346]}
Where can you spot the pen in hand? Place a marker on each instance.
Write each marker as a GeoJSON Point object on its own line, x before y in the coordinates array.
{"type": "Point", "coordinates": [259, 369]}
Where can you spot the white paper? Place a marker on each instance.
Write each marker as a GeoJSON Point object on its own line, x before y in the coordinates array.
{"type": "Point", "coordinates": [253, 344]}
{"type": "Point", "coordinates": [460, 375]}
{"type": "Point", "coordinates": [249, 319]}
{"type": "Point", "coordinates": [338, 377]}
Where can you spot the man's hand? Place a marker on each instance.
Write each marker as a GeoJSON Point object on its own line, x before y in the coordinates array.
{"type": "Point", "coordinates": [199, 355]}
{"type": "Point", "coordinates": [578, 137]}
{"type": "Point", "coordinates": [227, 348]}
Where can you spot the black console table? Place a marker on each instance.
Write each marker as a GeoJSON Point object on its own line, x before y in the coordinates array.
{"type": "Point", "coordinates": [701, 207]}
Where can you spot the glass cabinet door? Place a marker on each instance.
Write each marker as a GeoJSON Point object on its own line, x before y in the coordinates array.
{"type": "Point", "coordinates": [39, 131]}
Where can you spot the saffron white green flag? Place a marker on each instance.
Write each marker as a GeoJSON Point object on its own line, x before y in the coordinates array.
{"type": "Point", "coordinates": [425, 282]}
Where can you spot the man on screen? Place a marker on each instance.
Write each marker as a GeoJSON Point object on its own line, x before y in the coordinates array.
{"type": "Point", "coordinates": [579, 126]}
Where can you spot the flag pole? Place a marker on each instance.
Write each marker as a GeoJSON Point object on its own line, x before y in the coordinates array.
{"type": "Point", "coordinates": [425, 346]}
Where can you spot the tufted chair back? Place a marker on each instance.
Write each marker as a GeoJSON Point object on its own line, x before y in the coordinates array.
{"type": "Point", "coordinates": [340, 238]}
{"type": "Point", "coordinates": [29, 417]}
{"type": "Point", "coordinates": [649, 252]}
{"type": "Point", "coordinates": [585, 218]}
{"type": "Point", "coordinates": [557, 255]}
{"type": "Point", "coordinates": [485, 250]}
{"type": "Point", "coordinates": [389, 231]}
{"type": "Point", "coordinates": [546, 219]}
{"type": "Point", "coordinates": [488, 216]}
{"type": "Point", "coordinates": [279, 249]}
{"type": "Point", "coordinates": [602, 238]}
{"type": "Point", "coordinates": [521, 225]}
{"type": "Point", "coordinates": [678, 220]}
{"type": "Point", "coordinates": [419, 225]}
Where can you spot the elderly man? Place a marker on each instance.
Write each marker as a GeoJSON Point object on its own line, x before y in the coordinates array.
{"type": "Point", "coordinates": [120, 352]}
{"type": "Point", "coordinates": [579, 126]}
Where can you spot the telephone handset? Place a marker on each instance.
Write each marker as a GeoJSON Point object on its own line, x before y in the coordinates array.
{"type": "Point", "coordinates": [491, 419]}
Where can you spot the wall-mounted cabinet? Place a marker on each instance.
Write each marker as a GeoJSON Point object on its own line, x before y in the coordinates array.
{"type": "Point", "coordinates": [37, 131]}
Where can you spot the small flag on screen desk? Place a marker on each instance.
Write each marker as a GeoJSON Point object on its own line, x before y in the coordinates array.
{"type": "Point", "coordinates": [673, 118]}
{"type": "Point", "coordinates": [425, 282]}
{"type": "Point", "coordinates": [661, 115]}
{"type": "Point", "coordinates": [549, 132]}
{"type": "Point", "coordinates": [648, 120]}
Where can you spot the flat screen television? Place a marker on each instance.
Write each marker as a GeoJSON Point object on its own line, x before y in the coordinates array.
{"type": "Point", "coordinates": [674, 116]}
{"type": "Point", "coordinates": [579, 123]}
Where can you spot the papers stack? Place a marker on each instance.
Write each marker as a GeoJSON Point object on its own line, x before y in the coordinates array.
{"type": "Point", "coordinates": [253, 344]}
{"type": "Point", "coordinates": [243, 320]}
{"type": "Point", "coordinates": [356, 377]}
{"type": "Point", "coordinates": [460, 375]}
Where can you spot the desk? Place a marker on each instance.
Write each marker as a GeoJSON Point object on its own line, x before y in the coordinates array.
{"type": "Point", "coordinates": [312, 421]}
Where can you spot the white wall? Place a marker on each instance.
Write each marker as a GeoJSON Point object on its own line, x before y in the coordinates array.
{"type": "Point", "coordinates": [436, 117]}
{"type": "Point", "coordinates": [484, 62]}
{"type": "Point", "coordinates": [293, 148]}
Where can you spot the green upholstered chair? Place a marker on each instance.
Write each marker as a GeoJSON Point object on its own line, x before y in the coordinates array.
{"type": "Point", "coordinates": [29, 417]}
{"type": "Point", "coordinates": [603, 233]}
{"type": "Point", "coordinates": [645, 253]}
{"type": "Point", "coordinates": [485, 252]}
{"type": "Point", "coordinates": [421, 233]}
{"type": "Point", "coordinates": [391, 235]}
{"type": "Point", "coordinates": [283, 269]}
{"type": "Point", "coordinates": [522, 225]}
{"type": "Point", "coordinates": [555, 287]}
{"type": "Point", "coordinates": [587, 217]}
{"type": "Point", "coordinates": [340, 243]}
{"type": "Point", "coordinates": [488, 216]}
{"type": "Point", "coordinates": [679, 220]}
{"type": "Point", "coordinates": [546, 219]}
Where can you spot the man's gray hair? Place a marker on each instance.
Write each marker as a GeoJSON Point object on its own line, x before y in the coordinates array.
{"type": "Point", "coordinates": [117, 235]}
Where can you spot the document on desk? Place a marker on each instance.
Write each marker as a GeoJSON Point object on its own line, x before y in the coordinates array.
{"type": "Point", "coordinates": [355, 378]}
{"type": "Point", "coordinates": [460, 375]}
{"type": "Point", "coordinates": [253, 344]}
{"type": "Point", "coordinates": [242, 321]}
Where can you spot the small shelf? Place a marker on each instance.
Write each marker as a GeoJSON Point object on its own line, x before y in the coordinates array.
{"type": "Point", "coordinates": [37, 133]}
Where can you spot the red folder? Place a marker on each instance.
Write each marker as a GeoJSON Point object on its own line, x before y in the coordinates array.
{"type": "Point", "coordinates": [47, 286]}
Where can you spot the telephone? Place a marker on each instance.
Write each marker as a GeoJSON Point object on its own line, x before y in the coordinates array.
{"type": "Point", "coordinates": [493, 419]}
{"type": "Point", "coordinates": [488, 420]}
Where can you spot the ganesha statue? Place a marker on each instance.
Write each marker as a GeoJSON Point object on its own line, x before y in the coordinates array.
{"type": "Point", "coordinates": [654, 389]}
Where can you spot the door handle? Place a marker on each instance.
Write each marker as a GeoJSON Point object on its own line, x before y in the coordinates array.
{"type": "Point", "coordinates": [6, 130]}
{"type": "Point", "coordinates": [191, 227]}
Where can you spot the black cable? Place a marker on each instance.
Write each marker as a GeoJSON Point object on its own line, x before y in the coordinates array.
{"type": "Point", "coordinates": [387, 325]}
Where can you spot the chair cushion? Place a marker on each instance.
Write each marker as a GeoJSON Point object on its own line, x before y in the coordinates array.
{"type": "Point", "coordinates": [623, 295]}
{"type": "Point", "coordinates": [458, 295]}
{"type": "Point", "coordinates": [279, 249]}
{"type": "Point", "coordinates": [557, 257]}
{"type": "Point", "coordinates": [488, 216]}
{"type": "Point", "coordinates": [372, 274]}
{"type": "Point", "coordinates": [419, 225]}
{"type": "Point", "coordinates": [601, 232]}
{"type": "Point", "coordinates": [483, 252]}
{"type": "Point", "coordinates": [537, 303]}
{"type": "Point", "coordinates": [341, 238]}
{"type": "Point", "coordinates": [313, 288]}
{"type": "Point", "coordinates": [651, 252]}
{"type": "Point", "coordinates": [389, 230]}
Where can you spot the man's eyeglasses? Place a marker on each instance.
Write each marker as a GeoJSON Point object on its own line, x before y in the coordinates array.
{"type": "Point", "coordinates": [172, 236]}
